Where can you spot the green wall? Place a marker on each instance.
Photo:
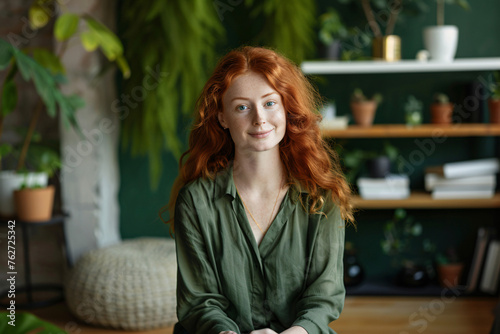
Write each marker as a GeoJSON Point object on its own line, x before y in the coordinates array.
{"type": "Point", "coordinates": [478, 38]}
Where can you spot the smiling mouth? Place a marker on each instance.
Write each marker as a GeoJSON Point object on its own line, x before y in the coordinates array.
{"type": "Point", "coordinates": [261, 134]}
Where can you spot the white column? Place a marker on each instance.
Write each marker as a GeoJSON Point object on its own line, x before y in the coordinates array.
{"type": "Point", "coordinates": [90, 174]}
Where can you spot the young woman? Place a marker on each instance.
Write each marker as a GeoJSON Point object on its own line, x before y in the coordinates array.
{"type": "Point", "coordinates": [259, 206]}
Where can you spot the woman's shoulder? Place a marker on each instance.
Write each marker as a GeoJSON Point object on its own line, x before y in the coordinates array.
{"type": "Point", "coordinates": [205, 187]}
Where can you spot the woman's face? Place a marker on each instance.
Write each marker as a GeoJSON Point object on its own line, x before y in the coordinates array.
{"type": "Point", "coordinates": [254, 114]}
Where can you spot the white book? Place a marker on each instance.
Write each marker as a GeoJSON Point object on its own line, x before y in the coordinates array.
{"type": "Point", "coordinates": [446, 193]}
{"type": "Point", "coordinates": [384, 193]}
{"type": "Point", "coordinates": [468, 168]}
{"type": "Point", "coordinates": [391, 181]}
{"type": "Point", "coordinates": [433, 180]}
{"type": "Point", "coordinates": [491, 272]}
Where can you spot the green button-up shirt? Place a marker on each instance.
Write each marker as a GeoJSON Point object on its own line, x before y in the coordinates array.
{"type": "Point", "coordinates": [226, 281]}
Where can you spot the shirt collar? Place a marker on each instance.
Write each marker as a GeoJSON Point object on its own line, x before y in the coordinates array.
{"type": "Point", "coordinates": [225, 184]}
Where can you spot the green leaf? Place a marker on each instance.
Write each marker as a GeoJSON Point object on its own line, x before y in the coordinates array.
{"type": "Point", "coordinates": [5, 149]}
{"type": "Point", "coordinates": [107, 40]}
{"type": "Point", "coordinates": [66, 26]}
{"type": "Point", "coordinates": [9, 97]}
{"type": "Point", "coordinates": [90, 40]}
{"type": "Point", "coordinates": [5, 54]}
{"type": "Point", "coordinates": [123, 65]}
{"type": "Point", "coordinates": [400, 214]}
{"type": "Point", "coordinates": [38, 16]}
{"type": "Point", "coordinates": [48, 60]}
{"type": "Point", "coordinates": [27, 323]}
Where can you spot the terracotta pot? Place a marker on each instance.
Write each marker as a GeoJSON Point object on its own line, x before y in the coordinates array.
{"type": "Point", "coordinates": [449, 274]}
{"type": "Point", "coordinates": [34, 205]}
{"type": "Point", "coordinates": [364, 112]}
{"type": "Point", "coordinates": [494, 107]}
{"type": "Point", "coordinates": [441, 113]}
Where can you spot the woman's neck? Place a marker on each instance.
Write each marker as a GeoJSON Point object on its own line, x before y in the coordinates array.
{"type": "Point", "coordinates": [259, 173]}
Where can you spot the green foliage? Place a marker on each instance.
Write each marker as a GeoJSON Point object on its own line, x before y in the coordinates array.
{"type": "Point", "coordinates": [448, 257]}
{"type": "Point", "coordinates": [354, 160]}
{"type": "Point", "coordinates": [398, 234]}
{"type": "Point", "coordinates": [176, 40]}
{"type": "Point", "coordinates": [66, 26]}
{"type": "Point", "coordinates": [494, 85]}
{"type": "Point", "coordinates": [358, 96]}
{"type": "Point", "coordinates": [331, 27]}
{"type": "Point", "coordinates": [413, 111]}
{"type": "Point", "coordinates": [46, 85]}
{"type": "Point", "coordinates": [288, 27]}
{"type": "Point", "coordinates": [27, 323]}
{"type": "Point", "coordinates": [440, 98]}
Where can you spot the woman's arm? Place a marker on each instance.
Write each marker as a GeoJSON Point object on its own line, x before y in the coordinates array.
{"type": "Point", "coordinates": [200, 305]}
{"type": "Point", "coordinates": [323, 297]}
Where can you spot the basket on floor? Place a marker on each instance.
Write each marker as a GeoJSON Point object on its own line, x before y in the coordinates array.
{"type": "Point", "coordinates": [128, 286]}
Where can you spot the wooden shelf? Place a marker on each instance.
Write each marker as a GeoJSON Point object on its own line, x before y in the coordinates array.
{"type": "Point", "coordinates": [425, 130]}
{"type": "Point", "coordinates": [423, 200]}
{"type": "Point", "coordinates": [402, 66]}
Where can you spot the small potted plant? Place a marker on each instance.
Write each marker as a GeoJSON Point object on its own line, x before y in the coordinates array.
{"type": "Point", "coordinates": [331, 33]}
{"type": "Point", "coordinates": [377, 163]}
{"type": "Point", "coordinates": [441, 109]}
{"type": "Point", "coordinates": [401, 233]}
{"type": "Point", "coordinates": [449, 268]}
{"type": "Point", "coordinates": [413, 111]}
{"type": "Point", "coordinates": [494, 100]}
{"type": "Point", "coordinates": [363, 108]}
{"type": "Point", "coordinates": [441, 40]}
{"type": "Point", "coordinates": [34, 201]}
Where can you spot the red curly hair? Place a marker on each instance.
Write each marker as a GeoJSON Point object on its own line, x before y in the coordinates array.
{"type": "Point", "coordinates": [308, 159]}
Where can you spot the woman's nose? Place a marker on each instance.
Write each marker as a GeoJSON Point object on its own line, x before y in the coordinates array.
{"type": "Point", "coordinates": [259, 118]}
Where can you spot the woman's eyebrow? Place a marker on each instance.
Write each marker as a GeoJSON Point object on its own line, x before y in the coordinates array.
{"type": "Point", "coordinates": [246, 98]}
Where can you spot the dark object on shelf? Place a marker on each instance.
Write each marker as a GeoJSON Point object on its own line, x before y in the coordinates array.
{"type": "Point", "coordinates": [379, 167]}
{"type": "Point", "coordinates": [412, 276]}
{"type": "Point", "coordinates": [332, 51]}
{"type": "Point", "coordinates": [29, 289]}
{"type": "Point", "coordinates": [473, 104]}
{"type": "Point", "coordinates": [353, 272]}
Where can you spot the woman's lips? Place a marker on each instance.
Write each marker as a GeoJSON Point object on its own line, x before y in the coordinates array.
{"type": "Point", "coordinates": [261, 134]}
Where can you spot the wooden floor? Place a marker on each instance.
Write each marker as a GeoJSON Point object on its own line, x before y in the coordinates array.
{"type": "Point", "coordinates": [361, 315]}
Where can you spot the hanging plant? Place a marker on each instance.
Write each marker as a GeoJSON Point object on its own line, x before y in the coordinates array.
{"type": "Point", "coordinates": [171, 44]}
{"type": "Point", "coordinates": [288, 27]}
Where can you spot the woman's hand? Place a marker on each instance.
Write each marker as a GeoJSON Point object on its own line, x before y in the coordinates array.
{"type": "Point", "coordinates": [264, 331]}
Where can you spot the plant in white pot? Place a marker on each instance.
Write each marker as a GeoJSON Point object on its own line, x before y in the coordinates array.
{"type": "Point", "coordinates": [442, 40]}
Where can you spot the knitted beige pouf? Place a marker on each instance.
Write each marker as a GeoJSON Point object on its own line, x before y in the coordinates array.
{"type": "Point", "coordinates": [128, 286]}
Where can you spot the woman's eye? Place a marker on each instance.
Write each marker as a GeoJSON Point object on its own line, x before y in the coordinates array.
{"type": "Point", "coordinates": [242, 108]}
{"type": "Point", "coordinates": [270, 103]}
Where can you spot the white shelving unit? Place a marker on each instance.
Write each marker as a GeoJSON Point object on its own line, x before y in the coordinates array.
{"type": "Point", "coordinates": [402, 66]}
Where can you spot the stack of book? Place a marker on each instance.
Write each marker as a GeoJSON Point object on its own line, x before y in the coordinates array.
{"type": "Point", "coordinates": [393, 186]}
{"type": "Point", "coordinates": [463, 179]}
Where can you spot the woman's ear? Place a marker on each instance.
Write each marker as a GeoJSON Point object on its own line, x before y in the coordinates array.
{"type": "Point", "coordinates": [222, 121]}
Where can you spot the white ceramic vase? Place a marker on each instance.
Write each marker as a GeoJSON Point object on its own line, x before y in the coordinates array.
{"type": "Point", "coordinates": [10, 181]}
{"type": "Point", "coordinates": [441, 42]}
